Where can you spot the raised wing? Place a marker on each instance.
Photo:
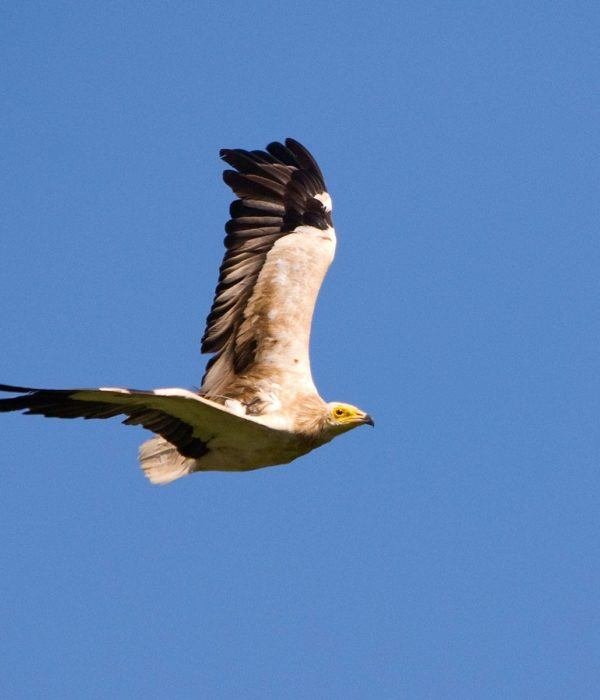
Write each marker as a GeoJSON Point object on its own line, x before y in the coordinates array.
{"type": "Point", "coordinates": [279, 243]}
{"type": "Point", "coordinates": [184, 419]}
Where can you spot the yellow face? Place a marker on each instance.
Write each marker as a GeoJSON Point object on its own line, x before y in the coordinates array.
{"type": "Point", "coordinates": [344, 414]}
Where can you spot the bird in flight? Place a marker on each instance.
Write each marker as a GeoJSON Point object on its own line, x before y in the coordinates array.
{"type": "Point", "coordinates": [258, 405]}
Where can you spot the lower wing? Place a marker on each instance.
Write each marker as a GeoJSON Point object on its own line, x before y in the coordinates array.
{"type": "Point", "coordinates": [188, 421]}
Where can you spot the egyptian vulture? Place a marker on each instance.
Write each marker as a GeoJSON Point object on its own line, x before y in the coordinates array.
{"type": "Point", "coordinates": [258, 405]}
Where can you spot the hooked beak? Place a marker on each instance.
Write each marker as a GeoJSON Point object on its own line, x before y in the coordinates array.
{"type": "Point", "coordinates": [367, 420]}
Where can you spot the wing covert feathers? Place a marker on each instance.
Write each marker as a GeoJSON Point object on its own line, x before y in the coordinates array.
{"type": "Point", "coordinates": [278, 190]}
{"type": "Point", "coordinates": [147, 409]}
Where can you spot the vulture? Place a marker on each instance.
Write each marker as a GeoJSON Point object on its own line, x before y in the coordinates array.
{"type": "Point", "coordinates": [257, 405]}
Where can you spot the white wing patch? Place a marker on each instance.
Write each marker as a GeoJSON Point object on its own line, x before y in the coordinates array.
{"type": "Point", "coordinates": [236, 407]}
{"type": "Point", "coordinates": [177, 392]}
{"type": "Point", "coordinates": [325, 200]}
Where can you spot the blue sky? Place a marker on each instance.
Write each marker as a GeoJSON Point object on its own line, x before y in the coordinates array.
{"type": "Point", "coordinates": [454, 550]}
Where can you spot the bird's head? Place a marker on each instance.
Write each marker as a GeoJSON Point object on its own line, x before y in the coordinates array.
{"type": "Point", "coordinates": [344, 416]}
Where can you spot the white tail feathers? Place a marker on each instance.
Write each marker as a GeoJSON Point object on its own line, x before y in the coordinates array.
{"type": "Point", "coordinates": [162, 463]}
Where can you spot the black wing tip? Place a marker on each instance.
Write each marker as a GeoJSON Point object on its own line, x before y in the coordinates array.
{"type": "Point", "coordinates": [226, 153]}
{"type": "Point", "coordinates": [296, 147]}
{"type": "Point", "coordinates": [290, 151]}
{"type": "Point", "coordinates": [11, 389]}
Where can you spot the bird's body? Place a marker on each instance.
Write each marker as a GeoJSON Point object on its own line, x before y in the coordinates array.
{"type": "Point", "coordinates": [258, 405]}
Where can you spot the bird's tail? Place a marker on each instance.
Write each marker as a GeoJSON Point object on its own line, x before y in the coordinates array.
{"type": "Point", "coordinates": [161, 461]}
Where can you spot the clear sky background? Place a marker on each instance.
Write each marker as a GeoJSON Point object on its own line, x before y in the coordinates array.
{"type": "Point", "coordinates": [451, 552]}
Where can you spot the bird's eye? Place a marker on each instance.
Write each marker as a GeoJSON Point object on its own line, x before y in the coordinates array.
{"type": "Point", "coordinates": [339, 412]}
